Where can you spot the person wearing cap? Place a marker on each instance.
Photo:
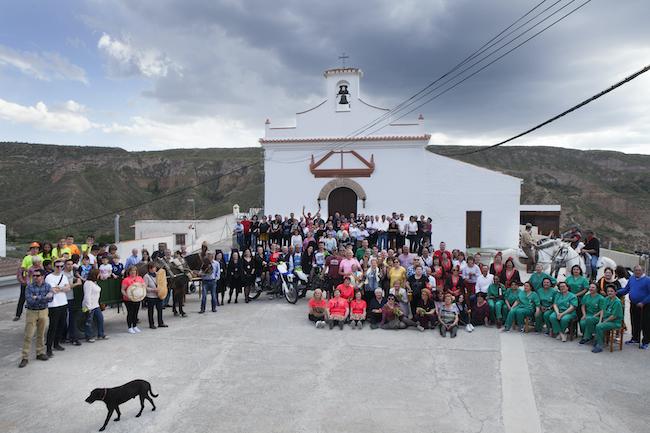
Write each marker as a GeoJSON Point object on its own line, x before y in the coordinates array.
{"type": "Point", "coordinates": [37, 295]}
{"type": "Point", "coordinates": [22, 277]}
{"type": "Point", "coordinates": [528, 246]}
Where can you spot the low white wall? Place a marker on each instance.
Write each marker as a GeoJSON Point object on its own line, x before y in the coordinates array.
{"type": "Point", "coordinates": [151, 244]}
{"type": "Point", "coordinates": [621, 259]}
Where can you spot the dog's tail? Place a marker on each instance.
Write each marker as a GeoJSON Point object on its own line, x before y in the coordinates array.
{"type": "Point", "coordinates": [152, 394]}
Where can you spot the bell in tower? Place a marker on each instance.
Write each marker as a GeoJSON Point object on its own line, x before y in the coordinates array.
{"type": "Point", "coordinates": [343, 95]}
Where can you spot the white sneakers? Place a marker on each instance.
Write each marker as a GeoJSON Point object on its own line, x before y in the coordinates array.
{"type": "Point", "coordinates": [136, 329]}
{"type": "Point", "coordinates": [469, 327]}
{"type": "Point", "coordinates": [131, 331]}
{"type": "Point", "coordinates": [320, 324]}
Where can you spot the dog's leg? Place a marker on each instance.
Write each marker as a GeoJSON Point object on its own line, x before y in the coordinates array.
{"type": "Point", "coordinates": [119, 414]}
{"type": "Point", "coordinates": [110, 412]}
{"type": "Point", "coordinates": [141, 406]}
{"type": "Point", "coordinates": [151, 401]}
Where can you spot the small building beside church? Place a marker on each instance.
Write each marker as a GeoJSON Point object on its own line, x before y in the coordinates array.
{"type": "Point", "coordinates": [322, 162]}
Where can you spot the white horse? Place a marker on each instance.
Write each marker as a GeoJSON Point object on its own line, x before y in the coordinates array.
{"type": "Point", "coordinates": [552, 254]}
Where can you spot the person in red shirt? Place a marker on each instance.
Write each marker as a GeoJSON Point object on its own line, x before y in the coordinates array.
{"type": "Point", "coordinates": [357, 311]}
{"type": "Point", "coordinates": [337, 310]}
{"type": "Point", "coordinates": [247, 231]}
{"type": "Point", "coordinates": [346, 288]}
{"type": "Point", "coordinates": [332, 269]}
{"type": "Point", "coordinates": [438, 253]}
{"type": "Point", "coordinates": [318, 309]}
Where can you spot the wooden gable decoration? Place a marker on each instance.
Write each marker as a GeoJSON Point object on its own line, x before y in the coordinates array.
{"type": "Point", "coordinates": [368, 167]}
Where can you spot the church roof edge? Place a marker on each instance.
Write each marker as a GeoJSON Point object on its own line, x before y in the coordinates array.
{"type": "Point", "coordinates": [348, 139]}
{"type": "Point", "coordinates": [335, 71]}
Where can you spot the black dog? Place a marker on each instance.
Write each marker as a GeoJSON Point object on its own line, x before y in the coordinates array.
{"type": "Point", "coordinates": [114, 397]}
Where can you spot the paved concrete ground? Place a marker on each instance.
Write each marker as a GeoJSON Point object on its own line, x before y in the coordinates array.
{"type": "Point", "coordinates": [262, 367]}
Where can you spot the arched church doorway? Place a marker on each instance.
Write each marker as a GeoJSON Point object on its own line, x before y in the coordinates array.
{"type": "Point", "coordinates": [342, 200]}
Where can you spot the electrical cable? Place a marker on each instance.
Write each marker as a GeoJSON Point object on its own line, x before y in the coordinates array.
{"type": "Point", "coordinates": [554, 118]}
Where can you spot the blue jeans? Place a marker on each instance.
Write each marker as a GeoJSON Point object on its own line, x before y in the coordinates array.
{"type": "Point", "coordinates": [72, 322]}
{"type": "Point", "coordinates": [169, 294]}
{"type": "Point", "coordinates": [594, 266]}
{"type": "Point", "coordinates": [209, 286]}
{"type": "Point", "coordinates": [96, 314]}
{"type": "Point", "coordinates": [382, 241]}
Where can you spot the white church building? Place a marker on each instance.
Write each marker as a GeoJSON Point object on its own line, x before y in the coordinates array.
{"type": "Point", "coordinates": [319, 163]}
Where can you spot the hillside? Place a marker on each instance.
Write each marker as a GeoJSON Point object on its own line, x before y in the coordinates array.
{"type": "Point", "coordinates": [45, 186]}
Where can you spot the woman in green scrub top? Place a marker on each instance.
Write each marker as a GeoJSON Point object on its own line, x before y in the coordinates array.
{"type": "Point", "coordinates": [591, 306]}
{"type": "Point", "coordinates": [527, 307]}
{"type": "Point", "coordinates": [546, 298]}
{"type": "Point", "coordinates": [564, 311]}
{"type": "Point", "coordinates": [495, 301]}
{"type": "Point", "coordinates": [510, 301]}
{"type": "Point", "coordinates": [611, 317]}
{"type": "Point", "coordinates": [578, 284]}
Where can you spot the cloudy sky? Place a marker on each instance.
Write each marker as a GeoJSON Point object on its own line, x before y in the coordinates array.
{"type": "Point", "coordinates": [153, 74]}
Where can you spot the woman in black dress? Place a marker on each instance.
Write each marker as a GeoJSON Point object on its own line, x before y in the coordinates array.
{"type": "Point", "coordinates": [248, 273]}
{"type": "Point", "coordinates": [235, 274]}
{"type": "Point", "coordinates": [222, 282]}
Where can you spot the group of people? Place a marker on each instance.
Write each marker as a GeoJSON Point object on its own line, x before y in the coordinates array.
{"type": "Point", "coordinates": [379, 269]}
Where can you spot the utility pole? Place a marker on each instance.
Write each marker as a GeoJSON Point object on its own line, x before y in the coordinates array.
{"type": "Point", "coordinates": [117, 228]}
{"type": "Point", "coordinates": [194, 218]}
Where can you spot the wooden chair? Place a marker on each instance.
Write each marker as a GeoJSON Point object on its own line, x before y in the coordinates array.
{"type": "Point", "coordinates": [612, 335]}
{"type": "Point", "coordinates": [527, 324]}
{"type": "Point", "coordinates": [573, 329]}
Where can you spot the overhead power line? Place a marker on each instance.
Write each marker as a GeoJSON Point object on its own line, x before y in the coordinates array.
{"type": "Point", "coordinates": [554, 118]}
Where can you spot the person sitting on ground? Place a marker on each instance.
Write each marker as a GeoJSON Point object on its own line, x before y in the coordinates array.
{"type": "Point", "coordinates": [448, 317]}
{"type": "Point", "coordinates": [611, 317]}
{"type": "Point", "coordinates": [357, 311]}
{"type": "Point", "coordinates": [495, 301]}
{"type": "Point", "coordinates": [346, 289]}
{"type": "Point", "coordinates": [564, 311]}
{"type": "Point", "coordinates": [317, 309]}
{"type": "Point", "coordinates": [401, 296]}
{"type": "Point", "coordinates": [90, 306]}
{"type": "Point", "coordinates": [527, 305]}
{"type": "Point", "coordinates": [425, 311]}
{"type": "Point", "coordinates": [393, 317]}
{"type": "Point", "coordinates": [591, 306]}
{"type": "Point", "coordinates": [337, 310]}
{"type": "Point", "coordinates": [480, 311]}
{"type": "Point", "coordinates": [375, 308]}
{"type": "Point", "coordinates": [546, 299]}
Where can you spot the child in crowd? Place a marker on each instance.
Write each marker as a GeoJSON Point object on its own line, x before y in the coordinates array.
{"type": "Point", "coordinates": [105, 269]}
{"type": "Point", "coordinates": [85, 268]}
{"type": "Point", "coordinates": [118, 268]}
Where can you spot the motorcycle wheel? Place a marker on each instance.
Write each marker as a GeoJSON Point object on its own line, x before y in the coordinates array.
{"type": "Point", "coordinates": [256, 291]}
{"type": "Point", "coordinates": [291, 293]}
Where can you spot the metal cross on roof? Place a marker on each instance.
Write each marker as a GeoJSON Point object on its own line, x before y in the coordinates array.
{"type": "Point", "coordinates": [343, 57]}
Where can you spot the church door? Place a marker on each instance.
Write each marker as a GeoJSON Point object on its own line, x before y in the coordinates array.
{"type": "Point", "coordinates": [473, 229]}
{"type": "Point", "coordinates": [342, 200]}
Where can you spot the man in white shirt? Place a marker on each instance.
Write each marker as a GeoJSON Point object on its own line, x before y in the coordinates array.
{"type": "Point", "coordinates": [484, 280]}
{"type": "Point", "coordinates": [57, 307]}
{"type": "Point", "coordinates": [382, 230]}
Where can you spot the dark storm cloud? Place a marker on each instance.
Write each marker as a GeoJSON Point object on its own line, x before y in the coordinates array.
{"type": "Point", "coordinates": [253, 59]}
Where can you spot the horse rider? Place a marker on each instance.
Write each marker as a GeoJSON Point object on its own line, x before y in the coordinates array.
{"type": "Point", "coordinates": [528, 245]}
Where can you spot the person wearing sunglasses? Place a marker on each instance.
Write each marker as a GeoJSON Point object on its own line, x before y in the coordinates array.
{"type": "Point", "coordinates": [58, 307]}
{"type": "Point", "coordinates": [37, 295]}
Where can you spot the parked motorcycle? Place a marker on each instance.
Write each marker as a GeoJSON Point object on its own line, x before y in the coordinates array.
{"type": "Point", "coordinates": [281, 284]}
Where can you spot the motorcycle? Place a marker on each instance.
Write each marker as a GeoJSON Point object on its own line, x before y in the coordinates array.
{"type": "Point", "coordinates": [281, 284]}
